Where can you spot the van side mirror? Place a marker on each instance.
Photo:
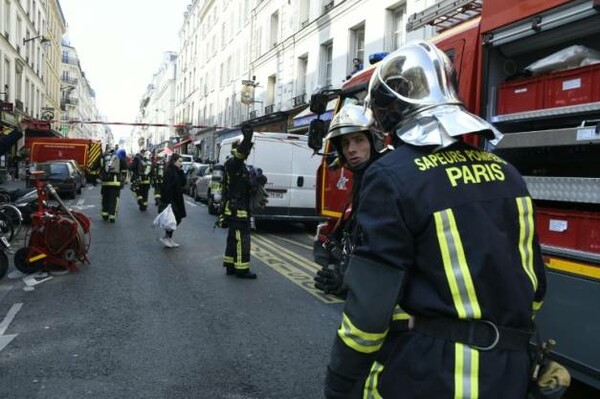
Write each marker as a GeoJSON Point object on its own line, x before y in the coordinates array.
{"type": "Point", "coordinates": [318, 103]}
{"type": "Point", "coordinates": [316, 132]}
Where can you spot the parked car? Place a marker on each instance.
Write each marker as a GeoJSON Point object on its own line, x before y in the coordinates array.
{"type": "Point", "coordinates": [62, 175]}
{"type": "Point", "coordinates": [188, 160]}
{"type": "Point", "coordinates": [77, 167]}
{"type": "Point", "coordinates": [204, 188]}
{"type": "Point", "coordinates": [196, 169]}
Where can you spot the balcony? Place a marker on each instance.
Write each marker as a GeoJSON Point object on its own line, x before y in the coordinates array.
{"type": "Point", "coordinates": [328, 6]}
{"type": "Point", "coordinates": [70, 60]}
{"type": "Point", "coordinates": [269, 109]}
{"type": "Point", "coordinates": [253, 114]}
{"type": "Point", "coordinates": [299, 99]}
{"type": "Point", "coordinates": [69, 80]}
{"type": "Point", "coordinates": [304, 23]}
{"type": "Point", "coordinates": [69, 101]}
{"type": "Point", "coordinates": [19, 105]}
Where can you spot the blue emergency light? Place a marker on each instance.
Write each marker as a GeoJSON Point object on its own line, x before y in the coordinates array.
{"type": "Point", "coordinates": [376, 57]}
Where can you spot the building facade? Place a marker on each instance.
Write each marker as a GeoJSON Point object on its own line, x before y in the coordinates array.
{"type": "Point", "coordinates": [280, 52]}
{"type": "Point", "coordinates": [157, 107]}
{"type": "Point", "coordinates": [55, 30]}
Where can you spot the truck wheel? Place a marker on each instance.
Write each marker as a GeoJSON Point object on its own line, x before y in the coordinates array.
{"type": "Point", "coordinates": [3, 264]}
{"type": "Point", "coordinates": [23, 265]}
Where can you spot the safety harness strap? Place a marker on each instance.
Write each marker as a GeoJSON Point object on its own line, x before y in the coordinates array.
{"type": "Point", "coordinates": [479, 334]}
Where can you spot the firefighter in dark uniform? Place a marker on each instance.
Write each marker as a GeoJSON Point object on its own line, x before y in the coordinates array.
{"type": "Point", "coordinates": [357, 147]}
{"type": "Point", "coordinates": [142, 170]}
{"type": "Point", "coordinates": [448, 234]}
{"type": "Point", "coordinates": [157, 176]}
{"type": "Point", "coordinates": [236, 208]}
{"type": "Point", "coordinates": [113, 172]}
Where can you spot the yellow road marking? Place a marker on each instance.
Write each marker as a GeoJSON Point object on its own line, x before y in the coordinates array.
{"type": "Point", "coordinates": [300, 260]}
{"type": "Point", "coordinates": [291, 241]}
{"type": "Point", "coordinates": [287, 265]}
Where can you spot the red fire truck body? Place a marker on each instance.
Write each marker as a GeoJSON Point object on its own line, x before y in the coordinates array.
{"type": "Point", "coordinates": [551, 123]}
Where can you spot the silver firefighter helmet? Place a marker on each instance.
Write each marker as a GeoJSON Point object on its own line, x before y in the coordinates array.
{"type": "Point", "coordinates": [413, 94]}
{"type": "Point", "coordinates": [354, 118]}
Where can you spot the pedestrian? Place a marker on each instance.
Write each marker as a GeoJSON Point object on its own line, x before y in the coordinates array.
{"type": "Point", "coordinates": [113, 173]}
{"type": "Point", "coordinates": [448, 234]}
{"type": "Point", "coordinates": [236, 208]}
{"type": "Point", "coordinates": [357, 65]}
{"type": "Point", "coordinates": [172, 193]}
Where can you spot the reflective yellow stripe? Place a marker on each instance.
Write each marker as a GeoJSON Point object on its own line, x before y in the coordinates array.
{"type": "Point", "coordinates": [238, 154]}
{"type": "Point", "coordinates": [37, 257]}
{"type": "Point", "coordinates": [228, 259]}
{"type": "Point", "coordinates": [359, 340]}
{"type": "Point", "coordinates": [456, 267]}
{"type": "Point", "coordinates": [241, 214]}
{"type": "Point", "coordinates": [370, 390]}
{"type": "Point", "coordinates": [537, 306]}
{"type": "Point", "coordinates": [238, 241]}
{"type": "Point", "coordinates": [399, 314]}
{"type": "Point", "coordinates": [526, 229]}
{"type": "Point", "coordinates": [466, 372]}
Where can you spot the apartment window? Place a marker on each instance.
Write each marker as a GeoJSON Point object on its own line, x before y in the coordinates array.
{"type": "Point", "coordinates": [6, 18]}
{"type": "Point", "coordinates": [357, 46]}
{"type": "Point", "coordinates": [304, 12]}
{"type": "Point", "coordinates": [301, 75]}
{"type": "Point", "coordinates": [274, 28]}
{"type": "Point", "coordinates": [397, 16]}
{"type": "Point", "coordinates": [271, 85]}
{"type": "Point", "coordinates": [327, 63]}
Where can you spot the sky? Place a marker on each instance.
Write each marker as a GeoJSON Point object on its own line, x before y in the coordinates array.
{"type": "Point", "coordinates": [120, 44]}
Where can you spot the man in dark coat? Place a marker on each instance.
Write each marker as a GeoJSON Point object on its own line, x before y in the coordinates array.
{"type": "Point", "coordinates": [172, 193]}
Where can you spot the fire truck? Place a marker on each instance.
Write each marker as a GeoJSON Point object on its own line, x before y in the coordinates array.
{"type": "Point", "coordinates": [551, 125]}
{"type": "Point", "coordinates": [85, 152]}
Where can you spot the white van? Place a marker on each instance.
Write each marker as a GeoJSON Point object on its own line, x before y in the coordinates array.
{"type": "Point", "coordinates": [291, 171]}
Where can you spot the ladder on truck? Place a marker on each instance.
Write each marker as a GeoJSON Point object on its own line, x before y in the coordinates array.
{"type": "Point", "coordinates": [445, 14]}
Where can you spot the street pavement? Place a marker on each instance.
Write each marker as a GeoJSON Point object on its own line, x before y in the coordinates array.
{"type": "Point", "coordinates": [142, 321]}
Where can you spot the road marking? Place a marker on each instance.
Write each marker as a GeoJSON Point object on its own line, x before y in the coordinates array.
{"type": "Point", "coordinates": [80, 201]}
{"type": "Point", "coordinates": [291, 241]}
{"type": "Point", "coordinates": [190, 203]}
{"type": "Point", "coordinates": [302, 261]}
{"type": "Point", "coordinates": [290, 265]}
{"type": "Point", "coordinates": [5, 339]}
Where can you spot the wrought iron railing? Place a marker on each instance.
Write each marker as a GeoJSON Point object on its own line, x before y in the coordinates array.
{"type": "Point", "coordinates": [299, 99]}
{"type": "Point", "coordinates": [269, 109]}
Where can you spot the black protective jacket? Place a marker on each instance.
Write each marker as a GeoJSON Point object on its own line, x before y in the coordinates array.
{"type": "Point", "coordinates": [236, 183]}
{"type": "Point", "coordinates": [171, 191]}
{"type": "Point", "coordinates": [443, 234]}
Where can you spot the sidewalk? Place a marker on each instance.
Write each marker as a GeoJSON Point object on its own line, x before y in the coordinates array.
{"type": "Point", "coordinates": [13, 185]}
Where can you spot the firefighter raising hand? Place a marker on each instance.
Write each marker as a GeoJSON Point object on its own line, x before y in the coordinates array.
{"type": "Point", "coordinates": [247, 132]}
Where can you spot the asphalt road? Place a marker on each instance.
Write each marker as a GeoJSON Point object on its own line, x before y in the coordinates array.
{"type": "Point", "coordinates": [142, 321]}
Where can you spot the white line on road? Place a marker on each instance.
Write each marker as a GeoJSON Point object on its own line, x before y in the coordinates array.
{"type": "Point", "coordinates": [80, 201]}
{"type": "Point", "coordinates": [9, 317]}
{"type": "Point", "coordinates": [190, 203]}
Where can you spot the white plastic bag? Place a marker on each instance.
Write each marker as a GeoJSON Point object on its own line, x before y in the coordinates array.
{"type": "Point", "coordinates": [166, 219]}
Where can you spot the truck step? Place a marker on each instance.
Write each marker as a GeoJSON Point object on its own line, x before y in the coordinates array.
{"type": "Point", "coordinates": [564, 189]}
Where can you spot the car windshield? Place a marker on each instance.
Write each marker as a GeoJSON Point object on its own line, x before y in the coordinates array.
{"type": "Point", "coordinates": [53, 169]}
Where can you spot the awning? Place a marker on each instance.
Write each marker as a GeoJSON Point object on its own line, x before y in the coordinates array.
{"type": "Point", "coordinates": [304, 117]}
{"type": "Point", "coordinates": [165, 152]}
{"type": "Point", "coordinates": [182, 143]}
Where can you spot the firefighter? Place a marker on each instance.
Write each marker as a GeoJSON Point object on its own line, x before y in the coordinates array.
{"type": "Point", "coordinates": [157, 177]}
{"type": "Point", "coordinates": [235, 208]}
{"type": "Point", "coordinates": [357, 147]}
{"type": "Point", "coordinates": [142, 170]}
{"type": "Point", "coordinates": [448, 234]}
{"type": "Point", "coordinates": [113, 172]}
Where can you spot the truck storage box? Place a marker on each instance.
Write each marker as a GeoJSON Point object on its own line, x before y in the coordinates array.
{"type": "Point", "coordinates": [574, 86]}
{"type": "Point", "coordinates": [520, 96]}
{"type": "Point", "coordinates": [568, 229]}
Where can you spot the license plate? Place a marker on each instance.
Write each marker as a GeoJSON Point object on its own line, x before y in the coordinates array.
{"type": "Point", "coordinates": [275, 194]}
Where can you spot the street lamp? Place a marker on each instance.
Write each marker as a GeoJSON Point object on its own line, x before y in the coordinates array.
{"type": "Point", "coordinates": [43, 40]}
